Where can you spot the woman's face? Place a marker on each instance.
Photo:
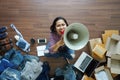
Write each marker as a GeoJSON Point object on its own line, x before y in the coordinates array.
{"type": "Point", "coordinates": [60, 26]}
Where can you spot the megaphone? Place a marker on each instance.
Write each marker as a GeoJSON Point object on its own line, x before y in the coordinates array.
{"type": "Point", "coordinates": [76, 36]}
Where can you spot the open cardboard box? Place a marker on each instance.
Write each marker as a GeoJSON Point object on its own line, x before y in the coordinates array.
{"type": "Point", "coordinates": [96, 45]}
{"type": "Point", "coordinates": [113, 45]}
{"type": "Point", "coordinates": [102, 73]}
{"type": "Point", "coordinates": [114, 63]}
{"type": "Point", "coordinates": [108, 33]}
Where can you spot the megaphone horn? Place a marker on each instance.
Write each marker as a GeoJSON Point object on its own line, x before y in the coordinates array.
{"type": "Point", "coordinates": [76, 36]}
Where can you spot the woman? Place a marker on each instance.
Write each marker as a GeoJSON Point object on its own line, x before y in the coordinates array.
{"type": "Point", "coordinates": [56, 46]}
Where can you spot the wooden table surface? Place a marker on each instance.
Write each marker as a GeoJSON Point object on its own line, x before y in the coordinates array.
{"type": "Point", "coordinates": [34, 17]}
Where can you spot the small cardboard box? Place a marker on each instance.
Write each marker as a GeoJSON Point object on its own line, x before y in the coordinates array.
{"type": "Point", "coordinates": [93, 42]}
{"type": "Point", "coordinates": [102, 73]}
{"type": "Point", "coordinates": [108, 33]}
{"type": "Point", "coordinates": [99, 51]}
{"type": "Point", "coordinates": [92, 45]}
{"type": "Point", "coordinates": [113, 45]}
{"type": "Point", "coordinates": [114, 63]}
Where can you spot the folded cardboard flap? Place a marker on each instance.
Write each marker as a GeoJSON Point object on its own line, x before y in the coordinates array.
{"type": "Point", "coordinates": [117, 48]}
{"type": "Point", "coordinates": [115, 56]}
{"type": "Point", "coordinates": [108, 62]}
{"type": "Point", "coordinates": [102, 73]}
{"type": "Point", "coordinates": [104, 38]}
{"type": "Point", "coordinates": [116, 37]}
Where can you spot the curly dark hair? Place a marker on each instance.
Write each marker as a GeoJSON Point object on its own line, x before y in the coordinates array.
{"type": "Point", "coordinates": [52, 27]}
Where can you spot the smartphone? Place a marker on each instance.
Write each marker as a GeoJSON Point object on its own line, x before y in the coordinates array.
{"type": "Point", "coordinates": [42, 40]}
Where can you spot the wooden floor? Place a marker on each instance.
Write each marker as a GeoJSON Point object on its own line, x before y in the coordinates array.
{"type": "Point", "coordinates": [34, 17]}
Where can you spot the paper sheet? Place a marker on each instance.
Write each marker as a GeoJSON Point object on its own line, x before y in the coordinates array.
{"type": "Point", "coordinates": [40, 50]}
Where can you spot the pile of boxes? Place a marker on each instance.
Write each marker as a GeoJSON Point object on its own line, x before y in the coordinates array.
{"type": "Point", "coordinates": [113, 53]}
{"type": "Point", "coordinates": [107, 50]}
{"type": "Point", "coordinates": [104, 58]}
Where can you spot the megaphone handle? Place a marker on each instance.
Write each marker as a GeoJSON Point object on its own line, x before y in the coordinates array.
{"type": "Point", "coordinates": [66, 59]}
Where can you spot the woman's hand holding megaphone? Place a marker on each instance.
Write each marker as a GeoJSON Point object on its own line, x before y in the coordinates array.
{"type": "Point", "coordinates": [59, 43]}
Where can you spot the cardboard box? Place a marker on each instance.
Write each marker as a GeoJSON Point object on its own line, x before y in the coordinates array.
{"type": "Point", "coordinates": [103, 60]}
{"type": "Point", "coordinates": [102, 73]}
{"type": "Point", "coordinates": [114, 63]}
{"type": "Point", "coordinates": [113, 45]}
{"type": "Point", "coordinates": [93, 42]}
{"type": "Point", "coordinates": [108, 33]}
{"type": "Point", "coordinates": [99, 51]}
